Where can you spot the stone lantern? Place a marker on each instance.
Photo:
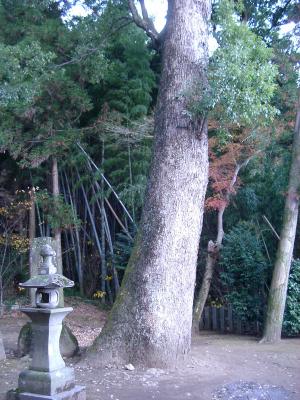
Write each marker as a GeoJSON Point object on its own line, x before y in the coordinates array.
{"type": "Point", "coordinates": [47, 282]}
{"type": "Point", "coordinates": [47, 377]}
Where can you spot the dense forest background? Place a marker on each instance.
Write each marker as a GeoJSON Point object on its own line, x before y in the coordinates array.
{"type": "Point", "coordinates": [77, 96]}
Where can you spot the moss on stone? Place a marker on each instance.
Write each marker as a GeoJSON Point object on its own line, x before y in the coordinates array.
{"type": "Point", "coordinates": [68, 343]}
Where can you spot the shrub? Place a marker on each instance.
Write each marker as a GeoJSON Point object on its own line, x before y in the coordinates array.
{"type": "Point", "coordinates": [245, 272]}
{"type": "Point", "coordinates": [291, 323]}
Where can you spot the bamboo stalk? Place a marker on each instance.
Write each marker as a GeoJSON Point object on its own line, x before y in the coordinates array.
{"type": "Point", "coordinates": [271, 226]}
{"type": "Point", "coordinates": [107, 231]}
{"type": "Point", "coordinates": [90, 215]}
{"type": "Point", "coordinates": [91, 162]}
{"type": "Point", "coordinates": [77, 252]}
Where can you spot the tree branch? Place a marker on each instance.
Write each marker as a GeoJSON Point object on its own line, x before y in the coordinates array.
{"type": "Point", "coordinates": [144, 22]}
{"type": "Point", "coordinates": [146, 17]}
{"type": "Point", "coordinates": [279, 13]}
{"type": "Point", "coordinates": [89, 51]}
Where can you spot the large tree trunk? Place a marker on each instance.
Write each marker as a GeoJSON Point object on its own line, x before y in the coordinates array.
{"type": "Point", "coordinates": [278, 291]}
{"type": "Point", "coordinates": [150, 323]}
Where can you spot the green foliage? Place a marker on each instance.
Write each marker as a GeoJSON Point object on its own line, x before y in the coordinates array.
{"type": "Point", "coordinates": [287, 57]}
{"type": "Point", "coordinates": [262, 192]}
{"type": "Point", "coordinates": [127, 163]}
{"type": "Point", "coordinates": [31, 19]}
{"type": "Point", "coordinates": [241, 75]}
{"type": "Point", "coordinates": [53, 97]}
{"type": "Point", "coordinates": [126, 94]}
{"type": "Point", "coordinates": [22, 69]}
{"type": "Point", "coordinates": [264, 186]}
{"type": "Point", "coordinates": [248, 202]}
{"type": "Point", "coordinates": [123, 249]}
{"type": "Point", "coordinates": [121, 100]}
{"type": "Point", "coordinates": [291, 323]}
{"type": "Point", "coordinates": [130, 78]}
{"type": "Point", "coordinates": [245, 272]}
{"type": "Point", "coordinates": [265, 17]}
{"type": "Point", "coordinates": [57, 213]}
{"type": "Point", "coordinates": [87, 44]}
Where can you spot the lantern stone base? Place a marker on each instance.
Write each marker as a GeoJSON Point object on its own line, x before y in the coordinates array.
{"type": "Point", "coordinates": [76, 393]}
{"type": "Point", "coordinates": [46, 383]}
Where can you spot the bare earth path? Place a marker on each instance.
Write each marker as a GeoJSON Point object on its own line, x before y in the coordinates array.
{"type": "Point", "coordinates": [215, 360]}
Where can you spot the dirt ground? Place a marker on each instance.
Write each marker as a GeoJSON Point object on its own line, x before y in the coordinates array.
{"type": "Point", "coordinates": [215, 360]}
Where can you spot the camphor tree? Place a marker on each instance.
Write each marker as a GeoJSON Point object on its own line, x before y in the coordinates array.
{"type": "Point", "coordinates": [150, 323]}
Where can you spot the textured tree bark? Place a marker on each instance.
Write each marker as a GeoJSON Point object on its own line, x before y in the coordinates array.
{"type": "Point", "coordinates": [278, 290]}
{"type": "Point", "coordinates": [150, 323]}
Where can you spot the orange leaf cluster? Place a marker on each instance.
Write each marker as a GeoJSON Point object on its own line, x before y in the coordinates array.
{"type": "Point", "coordinates": [222, 169]}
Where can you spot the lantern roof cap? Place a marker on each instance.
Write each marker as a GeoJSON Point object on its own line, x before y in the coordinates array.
{"type": "Point", "coordinates": [47, 277]}
{"type": "Point", "coordinates": [48, 282]}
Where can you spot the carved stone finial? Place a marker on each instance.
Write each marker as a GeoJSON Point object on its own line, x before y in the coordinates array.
{"type": "Point", "coordinates": [47, 267]}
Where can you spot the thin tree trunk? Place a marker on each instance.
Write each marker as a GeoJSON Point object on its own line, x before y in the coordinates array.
{"type": "Point", "coordinates": [118, 219]}
{"type": "Point", "coordinates": [91, 215]}
{"type": "Point", "coordinates": [70, 269]}
{"type": "Point", "coordinates": [279, 284]}
{"type": "Point", "coordinates": [104, 281]}
{"type": "Point", "coordinates": [150, 323]}
{"type": "Point", "coordinates": [1, 296]}
{"type": "Point", "coordinates": [108, 235]}
{"type": "Point", "coordinates": [131, 181]}
{"type": "Point", "coordinates": [103, 179]}
{"type": "Point", "coordinates": [37, 211]}
{"type": "Point", "coordinates": [105, 230]}
{"type": "Point", "coordinates": [213, 251]}
{"type": "Point", "coordinates": [91, 162]}
{"type": "Point", "coordinates": [57, 231]}
{"type": "Point", "coordinates": [84, 239]}
{"type": "Point", "coordinates": [41, 223]}
{"type": "Point", "coordinates": [31, 235]}
{"type": "Point", "coordinates": [113, 268]}
{"type": "Point", "coordinates": [71, 235]}
{"type": "Point", "coordinates": [77, 249]}
{"type": "Point", "coordinates": [2, 271]}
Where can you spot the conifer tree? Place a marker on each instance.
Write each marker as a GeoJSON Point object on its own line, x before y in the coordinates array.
{"type": "Point", "coordinates": [36, 120]}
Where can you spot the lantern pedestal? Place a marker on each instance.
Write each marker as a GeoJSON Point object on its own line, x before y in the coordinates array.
{"type": "Point", "coordinates": [47, 376]}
